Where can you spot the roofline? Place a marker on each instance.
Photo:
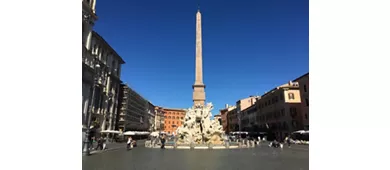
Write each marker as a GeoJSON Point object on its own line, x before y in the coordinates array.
{"type": "Point", "coordinates": [223, 109]}
{"type": "Point", "coordinates": [301, 76]}
{"type": "Point", "coordinates": [173, 109]}
{"type": "Point", "coordinates": [106, 43]}
{"type": "Point", "coordinates": [250, 107]}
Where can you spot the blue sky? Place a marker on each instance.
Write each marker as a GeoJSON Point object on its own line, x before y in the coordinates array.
{"type": "Point", "coordinates": [249, 46]}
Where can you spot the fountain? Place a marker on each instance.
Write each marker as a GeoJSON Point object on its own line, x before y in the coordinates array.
{"type": "Point", "coordinates": [198, 128]}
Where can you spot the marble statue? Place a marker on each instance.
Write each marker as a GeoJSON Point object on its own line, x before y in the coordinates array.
{"type": "Point", "coordinates": [198, 127]}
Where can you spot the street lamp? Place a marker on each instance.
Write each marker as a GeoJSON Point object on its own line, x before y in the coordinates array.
{"type": "Point", "coordinates": [87, 140]}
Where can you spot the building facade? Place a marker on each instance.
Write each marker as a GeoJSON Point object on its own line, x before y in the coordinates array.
{"type": "Point", "coordinates": [88, 69]}
{"type": "Point", "coordinates": [151, 117]}
{"type": "Point", "coordinates": [242, 105]}
{"type": "Point", "coordinates": [110, 65]}
{"type": "Point", "coordinates": [232, 117]}
{"type": "Point", "coordinates": [279, 110]}
{"type": "Point", "coordinates": [133, 111]}
{"type": "Point", "coordinates": [159, 118]}
{"type": "Point", "coordinates": [225, 118]}
{"type": "Point", "coordinates": [303, 82]}
{"type": "Point", "coordinates": [218, 117]}
{"type": "Point", "coordinates": [248, 119]}
{"type": "Point", "coordinates": [173, 118]}
{"type": "Point", "coordinates": [101, 65]}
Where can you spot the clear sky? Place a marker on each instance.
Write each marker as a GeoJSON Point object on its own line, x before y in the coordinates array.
{"type": "Point", "coordinates": [249, 46]}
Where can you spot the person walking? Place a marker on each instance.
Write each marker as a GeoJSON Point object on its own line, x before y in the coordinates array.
{"type": "Point", "coordinates": [99, 144]}
{"type": "Point", "coordinates": [104, 143]}
{"type": "Point", "coordinates": [162, 142]}
{"type": "Point", "coordinates": [288, 141]}
{"type": "Point", "coordinates": [129, 143]}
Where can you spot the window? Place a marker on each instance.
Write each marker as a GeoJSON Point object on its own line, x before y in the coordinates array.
{"type": "Point", "coordinates": [293, 112]}
{"type": "Point", "coordinates": [282, 96]}
{"type": "Point", "coordinates": [169, 117]}
{"type": "Point", "coordinates": [294, 123]}
{"type": "Point", "coordinates": [177, 117]}
{"type": "Point", "coordinates": [304, 88]}
{"type": "Point", "coordinates": [285, 126]}
{"type": "Point", "coordinates": [181, 118]}
{"type": "Point", "coordinates": [307, 101]}
{"type": "Point", "coordinates": [290, 96]}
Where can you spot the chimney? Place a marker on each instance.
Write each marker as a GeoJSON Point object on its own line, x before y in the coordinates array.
{"type": "Point", "coordinates": [226, 105]}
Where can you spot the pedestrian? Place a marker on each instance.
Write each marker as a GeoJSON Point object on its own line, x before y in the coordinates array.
{"type": "Point", "coordinates": [129, 140]}
{"type": "Point", "coordinates": [288, 141]}
{"type": "Point", "coordinates": [99, 144]}
{"type": "Point", "coordinates": [104, 142]}
{"type": "Point", "coordinates": [162, 142]}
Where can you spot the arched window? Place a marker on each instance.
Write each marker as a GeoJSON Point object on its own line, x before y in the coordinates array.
{"type": "Point", "coordinates": [95, 49]}
{"type": "Point", "coordinates": [290, 96]}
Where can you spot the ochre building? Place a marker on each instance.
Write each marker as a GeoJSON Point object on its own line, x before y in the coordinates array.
{"type": "Point", "coordinates": [173, 118]}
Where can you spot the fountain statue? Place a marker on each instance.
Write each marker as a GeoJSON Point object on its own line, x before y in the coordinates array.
{"type": "Point", "coordinates": [198, 127]}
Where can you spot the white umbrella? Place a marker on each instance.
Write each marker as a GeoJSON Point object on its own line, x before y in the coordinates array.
{"type": "Point", "coordinates": [301, 131]}
{"type": "Point", "coordinates": [110, 131]}
{"type": "Point", "coordinates": [154, 134]}
{"type": "Point", "coordinates": [129, 133]}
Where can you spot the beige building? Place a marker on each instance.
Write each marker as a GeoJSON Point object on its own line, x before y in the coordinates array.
{"type": "Point", "coordinates": [225, 118]}
{"type": "Point", "coordinates": [151, 117]}
{"type": "Point", "coordinates": [242, 105]}
{"type": "Point", "coordinates": [303, 82]}
{"type": "Point", "coordinates": [248, 119]}
{"type": "Point", "coordinates": [232, 120]}
{"type": "Point", "coordinates": [159, 118]}
{"type": "Point", "coordinates": [280, 110]}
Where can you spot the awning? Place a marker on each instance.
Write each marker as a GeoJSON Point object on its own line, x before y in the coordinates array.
{"type": "Point", "coordinates": [110, 131]}
{"type": "Point", "coordinates": [302, 132]}
{"type": "Point", "coordinates": [136, 133]}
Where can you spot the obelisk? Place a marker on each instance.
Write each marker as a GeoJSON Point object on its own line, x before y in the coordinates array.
{"type": "Point", "coordinates": [198, 95]}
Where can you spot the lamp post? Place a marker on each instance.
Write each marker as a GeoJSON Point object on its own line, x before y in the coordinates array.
{"type": "Point", "coordinates": [87, 141]}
